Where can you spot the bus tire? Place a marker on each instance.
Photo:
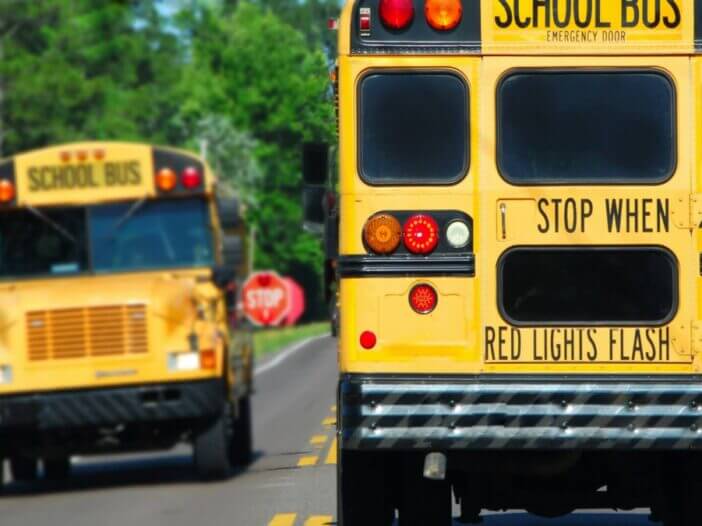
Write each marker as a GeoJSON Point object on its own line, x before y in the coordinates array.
{"type": "Point", "coordinates": [683, 489]}
{"type": "Point", "coordinates": [423, 501]}
{"type": "Point", "coordinates": [364, 497]}
{"type": "Point", "coordinates": [242, 441]}
{"type": "Point", "coordinates": [24, 469]}
{"type": "Point", "coordinates": [57, 468]}
{"type": "Point", "coordinates": [212, 448]}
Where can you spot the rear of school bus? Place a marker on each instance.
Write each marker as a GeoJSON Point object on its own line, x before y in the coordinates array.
{"type": "Point", "coordinates": [115, 307]}
{"type": "Point", "coordinates": [520, 258]}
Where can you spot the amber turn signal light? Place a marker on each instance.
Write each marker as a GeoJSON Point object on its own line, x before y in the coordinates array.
{"type": "Point", "coordinates": [208, 359]}
{"type": "Point", "coordinates": [443, 15]}
{"type": "Point", "coordinates": [7, 191]}
{"type": "Point", "coordinates": [166, 179]}
{"type": "Point", "coordinates": [382, 233]}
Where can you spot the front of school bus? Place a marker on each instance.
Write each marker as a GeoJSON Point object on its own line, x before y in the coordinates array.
{"type": "Point", "coordinates": [115, 311]}
{"type": "Point", "coordinates": [519, 258]}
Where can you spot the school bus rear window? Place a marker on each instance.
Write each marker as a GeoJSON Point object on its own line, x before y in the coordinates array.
{"type": "Point", "coordinates": [588, 285]}
{"type": "Point", "coordinates": [413, 128]}
{"type": "Point", "coordinates": [586, 127]}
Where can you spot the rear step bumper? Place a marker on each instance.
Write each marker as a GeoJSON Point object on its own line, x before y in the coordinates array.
{"type": "Point", "coordinates": [90, 408]}
{"type": "Point", "coordinates": [520, 412]}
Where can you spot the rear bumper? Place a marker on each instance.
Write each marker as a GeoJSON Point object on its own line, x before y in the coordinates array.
{"type": "Point", "coordinates": [519, 412]}
{"type": "Point", "coordinates": [90, 408]}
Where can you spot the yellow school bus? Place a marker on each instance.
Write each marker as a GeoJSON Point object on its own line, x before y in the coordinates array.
{"type": "Point", "coordinates": [519, 258]}
{"type": "Point", "coordinates": [118, 265]}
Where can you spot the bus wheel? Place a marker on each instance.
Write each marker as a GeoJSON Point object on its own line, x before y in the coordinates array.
{"type": "Point", "coordinates": [212, 447]}
{"type": "Point", "coordinates": [23, 469]}
{"type": "Point", "coordinates": [242, 441]}
{"type": "Point", "coordinates": [364, 486]}
{"type": "Point", "coordinates": [57, 468]}
{"type": "Point", "coordinates": [423, 501]}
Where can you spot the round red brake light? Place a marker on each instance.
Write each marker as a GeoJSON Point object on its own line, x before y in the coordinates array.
{"type": "Point", "coordinates": [368, 339]}
{"type": "Point", "coordinates": [396, 14]}
{"type": "Point", "coordinates": [423, 298]}
{"type": "Point", "coordinates": [191, 178]}
{"type": "Point", "coordinates": [421, 234]}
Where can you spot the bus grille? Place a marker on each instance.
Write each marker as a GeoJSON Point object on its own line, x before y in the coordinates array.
{"type": "Point", "coordinates": [86, 332]}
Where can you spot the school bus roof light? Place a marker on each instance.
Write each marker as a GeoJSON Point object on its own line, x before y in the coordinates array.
{"type": "Point", "coordinates": [191, 178]}
{"type": "Point", "coordinates": [421, 234]}
{"type": "Point", "coordinates": [382, 233]}
{"type": "Point", "coordinates": [443, 15]}
{"type": "Point", "coordinates": [396, 14]}
{"type": "Point", "coordinates": [166, 179]}
{"type": "Point", "coordinates": [7, 191]}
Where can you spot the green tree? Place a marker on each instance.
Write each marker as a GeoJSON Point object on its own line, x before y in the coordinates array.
{"type": "Point", "coordinates": [262, 74]}
{"type": "Point", "coordinates": [85, 69]}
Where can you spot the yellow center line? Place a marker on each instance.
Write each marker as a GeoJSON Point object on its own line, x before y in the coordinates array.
{"type": "Point", "coordinates": [309, 460]}
{"type": "Point", "coordinates": [329, 421]}
{"type": "Point", "coordinates": [283, 519]}
{"type": "Point", "coordinates": [331, 456]}
{"type": "Point", "coordinates": [318, 440]}
{"type": "Point", "coordinates": [319, 520]}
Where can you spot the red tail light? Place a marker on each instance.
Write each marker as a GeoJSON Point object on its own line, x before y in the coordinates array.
{"type": "Point", "coordinates": [191, 178]}
{"type": "Point", "coordinates": [396, 14]}
{"type": "Point", "coordinates": [368, 339]}
{"type": "Point", "coordinates": [423, 298]}
{"type": "Point", "coordinates": [421, 234]}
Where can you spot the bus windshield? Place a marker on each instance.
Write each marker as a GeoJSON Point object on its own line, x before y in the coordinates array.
{"type": "Point", "coordinates": [121, 237]}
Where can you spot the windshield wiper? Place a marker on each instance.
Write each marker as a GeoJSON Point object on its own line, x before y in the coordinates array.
{"type": "Point", "coordinates": [128, 215]}
{"type": "Point", "coordinates": [53, 224]}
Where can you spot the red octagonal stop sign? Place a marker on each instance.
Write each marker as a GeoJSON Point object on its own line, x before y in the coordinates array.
{"type": "Point", "coordinates": [266, 299]}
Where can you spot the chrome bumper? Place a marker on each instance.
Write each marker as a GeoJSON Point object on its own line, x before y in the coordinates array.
{"type": "Point", "coordinates": [404, 413]}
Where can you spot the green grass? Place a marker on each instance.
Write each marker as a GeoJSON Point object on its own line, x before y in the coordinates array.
{"type": "Point", "coordinates": [268, 341]}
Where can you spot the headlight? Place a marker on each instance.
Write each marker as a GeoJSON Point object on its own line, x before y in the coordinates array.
{"type": "Point", "coordinates": [183, 361]}
{"type": "Point", "coordinates": [5, 374]}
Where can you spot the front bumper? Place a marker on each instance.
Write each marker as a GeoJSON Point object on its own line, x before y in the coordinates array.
{"type": "Point", "coordinates": [91, 408]}
{"type": "Point", "coordinates": [520, 412]}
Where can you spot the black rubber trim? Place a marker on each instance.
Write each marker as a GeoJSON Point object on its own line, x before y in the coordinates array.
{"type": "Point", "coordinates": [90, 408]}
{"type": "Point", "coordinates": [390, 266]}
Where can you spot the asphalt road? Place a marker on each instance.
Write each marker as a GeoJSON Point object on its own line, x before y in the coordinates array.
{"type": "Point", "coordinates": [291, 483]}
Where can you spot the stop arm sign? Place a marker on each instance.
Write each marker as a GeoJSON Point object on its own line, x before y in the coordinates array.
{"type": "Point", "coordinates": [266, 299]}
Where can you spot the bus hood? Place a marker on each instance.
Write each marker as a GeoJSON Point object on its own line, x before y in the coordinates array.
{"type": "Point", "coordinates": [166, 296]}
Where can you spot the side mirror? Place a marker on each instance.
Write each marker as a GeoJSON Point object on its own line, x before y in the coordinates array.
{"type": "Point", "coordinates": [313, 207]}
{"type": "Point", "coordinates": [232, 252]}
{"type": "Point", "coordinates": [223, 276]}
{"type": "Point", "coordinates": [229, 213]}
{"type": "Point", "coordinates": [315, 163]}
